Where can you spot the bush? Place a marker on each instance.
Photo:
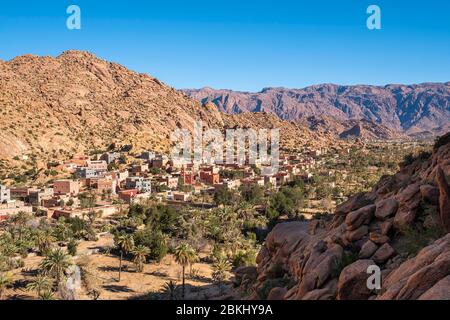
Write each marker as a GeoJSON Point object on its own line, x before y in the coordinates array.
{"type": "Point", "coordinates": [155, 241]}
{"type": "Point", "coordinates": [72, 247]}
{"type": "Point", "coordinates": [440, 141]}
{"type": "Point", "coordinates": [244, 258]}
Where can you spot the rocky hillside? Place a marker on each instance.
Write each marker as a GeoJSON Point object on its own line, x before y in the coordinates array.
{"type": "Point", "coordinates": [419, 110]}
{"type": "Point", "coordinates": [76, 102]}
{"type": "Point", "coordinates": [402, 226]}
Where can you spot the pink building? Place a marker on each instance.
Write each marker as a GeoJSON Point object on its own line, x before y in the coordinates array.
{"type": "Point", "coordinates": [69, 187]}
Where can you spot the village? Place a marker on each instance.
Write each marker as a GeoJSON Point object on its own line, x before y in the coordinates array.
{"type": "Point", "coordinates": [107, 183]}
{"type": "Point", "coordinates": [152, 176]}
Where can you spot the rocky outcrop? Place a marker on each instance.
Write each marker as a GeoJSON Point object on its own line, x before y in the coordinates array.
{"type": "Point", "coordinates": [444, 198]}
{"type": "Point", "coordinates": [398, 227]}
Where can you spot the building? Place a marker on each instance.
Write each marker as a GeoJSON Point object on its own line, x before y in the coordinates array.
{"type": "Point", "coordinates": [169, 181]}
{"type": "Point", "coordinates": [105, 211]}
{"type": "Point", "coordinates": [127, 196]}
{"type": "Point", "coordinates": [105, 186]}
{"type": "Point", "coordinates": [66, 187]}
{"type": "Point", "coordinates": [13, 207]}
{"type": "Point", "coordinates": [141, 184]}
{"type": "Point", "coordinates": [157, 162]}
{"type": "Point", "coordinates": [5, 194]}
{"type": "Point", "coordinates": [208, 177]}
{"type": "Point", "coordinates": [187, 178]}
{"type": "Point", "coordinates": [139, 168]}
{"type": "Point", "coordinates": [181, 196]}
{"type": "Point", "coordinates": [270, 180]}
{"type": "Point", "coordinates": [109, 157]}
{"type": "Point", "coordinates": [36, 196]}
{"type": "Point", "coordinates": [148, 155]}
{"type": "Point", "coordinates": [87, 173]}
{"type": "Point", "coordinates": [21, 193]}
{"type": "Point", "coordinates": [97, 165]}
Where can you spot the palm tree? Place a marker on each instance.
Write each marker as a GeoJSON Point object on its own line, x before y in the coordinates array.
{"type": "Point", "coordinates": [140, 256]}
{"type": "Point", "coordinates": [40, 285]}
{"type": "Point", "coordinates": [125, 243]}
{"type": "Point", "coordinates": [184, 256]}
{"type": "Point", "coordinates": [193, 258]}
{"type": "Point", "coordinates": [6, 280]}
{"type": "Point", "coordinates": [47, 295]}
{"type": "Point", "coordinates": [20, 220]}
{"type": "Point", "coordinates": [55, 264]}
{"type": "Point", "coordinates": [43, 241]}
{"type": "Point", "coordinates": [170, 289]}
{"type": "Point", "coordinates": [220, 270]}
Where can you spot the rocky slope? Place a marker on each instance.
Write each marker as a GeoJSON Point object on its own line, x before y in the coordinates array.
{"type": "Point", "coordinates": [76, 102]}
{"type": "Point", "coordinates": [402, 226]}
{"type": "Point", "coordinates": [419, 110]}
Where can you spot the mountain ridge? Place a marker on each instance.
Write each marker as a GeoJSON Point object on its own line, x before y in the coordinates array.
{"type": "Point", "coordinates": [410, 109]}
{"type": "Point", "coordinates": [76, 102]}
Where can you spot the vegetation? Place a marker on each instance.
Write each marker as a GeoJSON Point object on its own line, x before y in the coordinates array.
{"type": "Point", "coordinates": [125, 244]}
{"type": "Point", "coordinates": [184, 256]}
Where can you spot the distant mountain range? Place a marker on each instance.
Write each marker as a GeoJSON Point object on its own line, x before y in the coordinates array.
{"type": "Point", "coordinates": [414, 110]}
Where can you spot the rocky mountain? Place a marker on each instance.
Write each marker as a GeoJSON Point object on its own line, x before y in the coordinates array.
{"type": "Point", "coordinates": [402, 226]}
{"type": "Point", "coordinates": [420, 110]}
{"type": "Point", "coordinates": [54, 107]}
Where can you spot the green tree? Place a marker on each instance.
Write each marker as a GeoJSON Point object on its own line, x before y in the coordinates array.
{"type": "Point", "coordinates": [220, 269]}
{"type": "Point", "coordinates": [125, 244]}
{"type": "Point", "coordinates": [72, 247]}
{"type": "Point", "coordinates": [184, 256]}
{"type": "Point", "coordinates": [41, 284]}
{"type": "Point", "coordinates": [6, 279]}
{"type": "Point", "coordinates": [55, 264]}
{"type": "Point", "coordinates": [140, 256]}
{"type": "Point", "coordinates": [224, 196]}
{"type": "Point", "coordinates": [44, 240]}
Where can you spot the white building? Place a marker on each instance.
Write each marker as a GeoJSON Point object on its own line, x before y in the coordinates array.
{"type": "Point", "coordinates": [5, 194]}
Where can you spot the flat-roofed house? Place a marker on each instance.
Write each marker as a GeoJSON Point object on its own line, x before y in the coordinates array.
{"type": "Point", "coordinates": [5, 194]}
{"type": "Point", "coordinates": [66, 187]}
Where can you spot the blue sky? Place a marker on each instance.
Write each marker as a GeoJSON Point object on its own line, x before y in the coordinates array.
{"type": "Point", "coordinates": [246, 44]}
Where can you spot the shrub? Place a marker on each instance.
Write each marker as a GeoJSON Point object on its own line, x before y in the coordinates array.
{"type": "Point", "coordinates": [440, 141]}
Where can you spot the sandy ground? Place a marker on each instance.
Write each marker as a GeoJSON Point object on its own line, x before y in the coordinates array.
{"type": "Point", "coordinates": [102, 274]}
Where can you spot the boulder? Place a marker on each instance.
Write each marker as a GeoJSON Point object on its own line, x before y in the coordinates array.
{"type": "Point", "coordinates": [426, 278]}
{"type": "Point", "coordinates": [430, 194]}
{"type": "Point", "coordinates": [408, 193]}
{"type": "Point", "coordinates": [277, 293]}
{"type": "Point", "coordinates": [352, 283]}
{"type": "Point", "coordinates": [386, 226]}
{"type": "Point", "coordinates": [361, 216]}
{"type": "Point", "coordinates": [444, 198]}
{"type": "Point", "coordinates": [367, 250]}
{"type": "Point", "coordinates": [440, 291]}
{"type": "Point", "coordinates": [354, 203]}
{"type": "Point", "coordinates": [383, 253]}
{"type": "Point", "coordinates": [386, 208]}
{"type": "Point", "coordinates": [406, 215]}
{"type": "Point", "coordinates": [378, 238]}
{"type": "Point", "coordinates": [354, 235]}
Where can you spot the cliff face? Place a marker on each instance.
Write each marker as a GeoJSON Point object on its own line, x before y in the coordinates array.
{"type": "Point", "coordinates": [402, 226]}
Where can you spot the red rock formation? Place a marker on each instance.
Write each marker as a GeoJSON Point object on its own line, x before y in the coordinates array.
{"type": "Point", "coordinates": [368, 229]}
{"type": "Point", "coordinates": [444, 198]}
